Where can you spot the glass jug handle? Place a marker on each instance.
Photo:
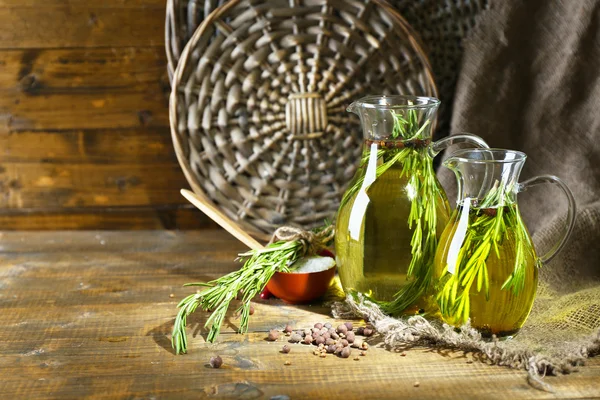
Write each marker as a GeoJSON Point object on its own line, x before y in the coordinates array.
{"type": "Point", "coordinates": [570, 211]}
{"type": "Point", "coordinates": [436, 147]}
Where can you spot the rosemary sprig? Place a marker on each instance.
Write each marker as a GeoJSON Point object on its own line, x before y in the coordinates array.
{"type": "Point", "coordinates": [486, 231]}
{"type": "Point", "coordinates": [259, 266]}
{"type": "Point", "coordinates": [423, 190]}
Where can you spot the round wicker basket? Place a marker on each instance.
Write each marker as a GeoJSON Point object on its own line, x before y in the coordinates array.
{"type": "Point", "coordinates": [258, 102]}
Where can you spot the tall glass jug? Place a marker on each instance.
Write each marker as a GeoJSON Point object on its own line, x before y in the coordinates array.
{"type": "Point", "coordinates": [394, 209]}
{"type": "Point", "coordinates": [486, 265]}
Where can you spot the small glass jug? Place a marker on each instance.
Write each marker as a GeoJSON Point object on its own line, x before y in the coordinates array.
{"type": "Point", "coordinates": [486, 267]}
{"type": "Point", "coordinates": [394, 210]}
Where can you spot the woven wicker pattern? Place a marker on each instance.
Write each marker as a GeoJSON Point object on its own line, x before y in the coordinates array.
{"type": "Point", "coordinates": [183, 17]}
{"type": "Point", "coordinates": [258, 104]}
{"type": "Point", "coordinates": [441, 24]}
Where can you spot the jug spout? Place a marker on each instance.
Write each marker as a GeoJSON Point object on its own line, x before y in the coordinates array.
{"type": "Point", "coordinates": [486, 177]}
{"type": "Point", "coordinates": [397, 117]}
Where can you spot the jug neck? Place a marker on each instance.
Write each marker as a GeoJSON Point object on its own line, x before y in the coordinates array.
{"type": "Point", "coordinates": [396, 118]}
{"type": "Point", "coordinates": [487, 178]}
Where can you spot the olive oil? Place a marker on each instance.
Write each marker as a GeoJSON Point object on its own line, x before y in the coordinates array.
{"type": "Point", "coordinates": [373, 236]}
{"type": "Point", "coordinates": [486, 270]}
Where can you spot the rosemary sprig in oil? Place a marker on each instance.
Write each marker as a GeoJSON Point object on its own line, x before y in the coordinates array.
{"type": "Point", "coordinates": [486, 231]}
{"type": "Point", "coordinates": [409, 149]}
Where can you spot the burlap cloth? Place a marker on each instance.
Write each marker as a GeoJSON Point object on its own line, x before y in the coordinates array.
{"type": "Point", "coordinates": [530, 81]}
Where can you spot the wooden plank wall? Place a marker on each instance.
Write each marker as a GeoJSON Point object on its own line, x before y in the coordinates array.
{"type": "Point", "coordinates": [84, 136]}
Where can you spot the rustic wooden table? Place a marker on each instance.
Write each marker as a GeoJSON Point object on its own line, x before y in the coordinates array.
{"type": "Point", "coordinates": [89, 314]}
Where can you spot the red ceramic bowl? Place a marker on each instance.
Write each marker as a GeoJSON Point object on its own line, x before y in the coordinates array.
{"type": "Point", "coordinates": [300, 288]}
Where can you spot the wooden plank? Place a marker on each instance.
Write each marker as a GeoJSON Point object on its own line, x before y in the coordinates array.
{"type": "Point", "coordinates": [69, 111]}
{"type": "Point", "coordinates": [106, 220]}
{"type": "Point", "coordinates": [91, 3]}
{"type": "Point", "coordinates": [54, 26]}
{"type": "Point", "coordinates": [64, 340]}
{"type": "Point", "coordinates": [77, 70]}
{"type": "Point", "coordinates": [115, 242]}
{"type": "Point", "coordinates": [96, 146]}
{"type": "Point", "coordinates": [77, 185]}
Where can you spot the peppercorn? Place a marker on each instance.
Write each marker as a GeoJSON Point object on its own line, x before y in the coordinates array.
{"type": "Point", "coordinates": [329, 342]}
{"type": "Point", "coordinates": [301, 333]}
{"type": "Point", "coordinates": [322, 355]}
{"type": "Point", "coordinates": [360, 330]}
{"type": "Point", "coordinates": [319, 340]}
{"type": "Point", "coordinates": [285, 349]}
{"type": "Point", "coordinates": [295, 338]}
{"type": "Point", "coordinates": [288, 329]}
{"type": "Point", "coordinates": [318, 325]}
{"type": "Point", "coordinates": [356, 358]}
{"type": "Point", "coordinates": [350, 337]}
{"type": "Point", "coordinates": [349, 326]}
{"type": "Point", "coordinates": [334, 336]}
{"type": "Point", "coordinates": [338, 348]}
{"type": "Point", "coordinates": [345, 353]}
{"type": "Point", "coordinates": [307, 332]}
{"type": "Point", "coordinates": [331, 348]}
{"type": "Point", "coordinates": [308, 339]}
{"type": "Point", "coordinates": [344, 343]}
{"type": "Point", "coordinates": [417, 384]}
{"type": "Point", "coordinates": [273, 335]}
{"type": "Point", "coordinates": [251, 311]}
{"type": "Point", "coordinates": [365, 345]}
{"type": "Point", "coordinates": [326, 335]}
{"type": "Point", "coordinates": [315, 332]}
{"type": "Point", "coordinates": [403, 354]}
{"type": "Point", "coordinates": [327, 325]}
{"type": "Point", "coordinates": [363, 353]}
{"type": "Point", "coordinates": [342, 329]}
{"type": "Point", "coordinates": [367, 332]}
{"type": "Point", "coordinates": [216, 362]}
{"type": "Point", "coordinates": [287, 363]}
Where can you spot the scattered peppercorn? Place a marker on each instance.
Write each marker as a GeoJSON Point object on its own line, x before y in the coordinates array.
{"type": "Point", "coordinates": [345, 353]}
{"type": "Point", "coordinates": [403, 354]}
{"type": "Point", "coordinates": [342, 329]}
{"type": "Point", "coordinates": [356, 358]}
{"type": "Point", "coordinates": [417, 384]}
{"type": "Point", "coordinates": [287, 363]}
{"type": "Point", "coordinates": [319, 340]}
{"type": "Point", "coordinates": [363, 353]}
{"type": "Point", "coordinates": [329, 342]}
{"type": "Point", "coordinates": [318, 325]}
{"type": "Point", "coordinates": [285, 349]}
{"type": "Point", "coordinates": [327, 325]}
{"type": "Point", "coordinates": [288, 329]}
{"type": "Point", "coordinates": [216, 362]}
{"type": "Point", "coordinates": [322, 355]}
{"type": "Point", "coordinates": [349, 326]}
{"type": "Point", "coordinates": [308, 339]}
{"type": "Point", "coordinates": [350, 337]}
{"type": "Point", "coordinates": [295, 338]}
{"type": "Point", "coordinates": [326, 335]}
{"type": "Point", "coordinates": [331, 348]}
{"type": "Point", "coordinates": [273, 335]}
{"type": "Point", "coordinates": [344, 343]}
{"type": "Point", "coordinates": [365, 345]}
{"type": "Point", "coordinates": [367, 332]}
{"type": "Point", "coordinates": [360, 330]}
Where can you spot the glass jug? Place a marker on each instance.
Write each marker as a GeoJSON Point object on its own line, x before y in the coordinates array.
{"type": "Point", "coordinates": [394, 210]}
{"type": "Point", "coordinates": [486, 265]}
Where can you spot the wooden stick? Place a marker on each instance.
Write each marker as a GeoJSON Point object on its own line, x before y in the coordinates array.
{"type": "Point", "coordinates": [226, 223]}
